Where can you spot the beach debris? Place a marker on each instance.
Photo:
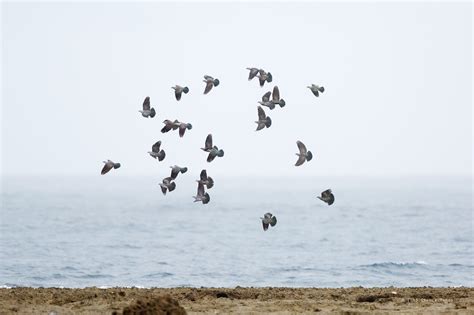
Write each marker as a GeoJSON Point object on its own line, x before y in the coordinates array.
{"type": "Point", "coordinates": [156, 153]}
{"type": "Point", "coordinates": [263, 120]}
{"type": "Point", "coordinates": [304, 154]}
{"type": "Point", "coordinates": [328, 197]}
{"type": "Point", "coordinates": [210, 82]}
{"type": "Point", "coordinates": [268, 219]}
{"type": "Point", "coordinates": [108, 166]}
{"type": "Point", "coordinates": [175, 170]}
{"type": "Point", "coordinates": [179, 90]}
{"type": "Point", "coordinates": [316, 89]}
{"type": "Point", "coordinates": [154, 305]}
{"type": "Point", "coordinates": [147, 111]}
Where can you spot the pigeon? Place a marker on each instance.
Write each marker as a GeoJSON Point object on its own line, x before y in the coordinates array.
{"type": "Point", "coordinates": [253, 73]}
{"type": "Point", "coordinates": [175, 170]}
{"type": "Point", "coordinates": [263, 120]}
{"type": "Point", "coordinates": [266, 101]}
{"type": "Point", "coordinates": [304, 154]}
{"type": "Point", "coordinates": [108, 166]}
{"type": "Point", "coordinates": [208, 144]}
{"type": "Point", "coordinates": [183, 127]}
{"type": "Point", "coordinates": [327, 196]}
{"type": "Point", "coordinates": [170, 125]}
{"type": "Point", "coordinates": [167, 185]}
{"type": "Point", "coordinates": [276, 100]}
{"type": "Point", "coordinates": [316, 89]}
{"type": "Point", "coordinates": [210, 82]}
{"type": "Point", "coordinates": [264, 77]}
{"type": "Point", "coordinates": [201, 195]}
{"type": "Point", "coordinates": [206, 180]}
{"type": "Point", "coordinates": [215, 151]}
{"type": "Point", "coordinates": [179, 90]}
{"type": "Point", "coordinates": [147, 111]}
{"type": "Point", "coordinates": [156, 153]}
{"type": "Point", "coordinates": [268, 219]}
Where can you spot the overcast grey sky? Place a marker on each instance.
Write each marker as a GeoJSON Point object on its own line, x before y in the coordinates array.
{"type": "Point", "coordinates": [398, 81]}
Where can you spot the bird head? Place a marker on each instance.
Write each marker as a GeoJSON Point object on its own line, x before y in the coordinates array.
{"type": "Point", "coordinates": [186, 90]}
{"type": "Point", "coordinates": [216, 82]}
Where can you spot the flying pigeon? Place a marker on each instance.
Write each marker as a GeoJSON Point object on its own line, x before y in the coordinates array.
{"type": "Point", "coordinates": [327, 196]}
{"type": "Point", "coordinates": [108, 166]}
{"type": "Point", "coordinates": [206, 180]}
{"type": "Point", "coordinates": [264, 77]}
{"type": "Point", "coordinates": [175, 170]}
{"type": "Point", "coordinates": [170, 125]}
{"type": "Point", "coordinates": [263, 120]}
{"type": "Point", "coordinates": [147, 111]}
{"type": "Point", "coordinates": [276, 100]}
{"type": "Point", "coordinates": [253, 73]}
{"type": "Point", "coordinates": [156, 153]}
{"type": "Point", "coordinates": [167, 185]}
{"type": "Point", "coordinates": [208, 144]}
{"type": "Point", "coordinates": [266, 100]}
{"type": "Point", "coordinates": [182, 128]}
{"type": "Point", "coordinates": [179, 90]}
{"type": "Point", "coordinates": [201, 195]}
{"type": "Point", "coordinates": [268, 219]}
{"type": "Point", "coordinates": [210, 82]}
{"type": "Point", "coordinates": [304, 154]}
{"type": "Point", "coordinates": [316, 89]}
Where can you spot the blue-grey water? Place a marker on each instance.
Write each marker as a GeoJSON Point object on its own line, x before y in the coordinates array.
{"type": "Point", "coordinates": [121, 231]}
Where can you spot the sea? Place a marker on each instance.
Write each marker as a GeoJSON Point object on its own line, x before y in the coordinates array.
{"type": "Point", "coordinates": [113, 230]}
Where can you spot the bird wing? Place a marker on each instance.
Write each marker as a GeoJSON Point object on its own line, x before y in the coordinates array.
{"type": "Point", "coordinates": [156, 147]}
{"type": "Point", "coordinates": [211, 156]}
{"type": "Point", "coordinates": [261, 113]}
{"type": "Point", "coordinates": [301, 147]}
{"type": "Point", "coordinates": [146, 103]}
{"type": "Point", "coordinates": [276, 94]}
{"type": "Point", "coordinates": [300, 161]}
{"type": "Point", "coordinates": [167, 180]}
{"type": "Point", "coordinates": [174, 172]}
{"type": "Point", "coordinates": [260, 126]}
{"type": "Point", "coordinates": [182, 129]}
{"type": "Point", "coordinates": [315, 92]}
{"type": "Point", "coordinates": [177, 93]}
{"type": "Point", "coordinates": [331, 199]}
{"type": "Point", "coordinates": [261, 80]}
{"type": "Point", "coordinates": [200, 190]}
{"type": "Point", "coordinates": [208, 78]}
{"type": "Point", "coordinates": [253, 73]}
{"type": "Point", "coordinates": [209, 85]}
{"type": "Point", "coordinates": [107, 167]}
{"type": "Point", "coordinates": [203, 175]}
{"type": "Point", "coordinates": [166, 128]}
{"type": "Point", "coordinates": [266, 97]}
{"type": "Point", "coordinates": [265, 226]}
{"type": "Point", "coordinates": [208, 144]}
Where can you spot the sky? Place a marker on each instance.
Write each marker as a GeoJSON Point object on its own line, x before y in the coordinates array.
{"type": "Point", "coordinates": [398, 81]}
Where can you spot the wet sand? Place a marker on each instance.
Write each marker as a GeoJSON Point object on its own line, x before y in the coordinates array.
{"type": "Point", "coordinates": [238, 301]}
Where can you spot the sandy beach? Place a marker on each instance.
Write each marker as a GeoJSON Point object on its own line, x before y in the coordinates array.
{"type": "Point", "coordinates": [238, 301]}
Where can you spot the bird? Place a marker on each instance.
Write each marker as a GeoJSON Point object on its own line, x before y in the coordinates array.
{"type": "Point", "coordinates": [268, 219]}
{"type": "Point", "coordinates": [201, 195]}
{"type": "Point", "coordinates": [263, 120]}
{"type": "Point", "coordinates": [264, 77]}
{"type": "Point", "coordinates": [304, 154]}
{"type": "Point", "coordinates": [108, 166]}
{"type": "Point", "coordinates": [316, 89]}
{"type": "Point", "coordinates": [156, 153]}
{"type": "Point", "coordinates": [182, 128]}
{"type": "Point", "coordinates": [276, 100]}
{"type": "Point", "coordinates": [327, 196]}
{"type": "Point", "coordinates": [208, 144]}
{"type": "Point", "coordinates": [210, 82]}
{"type": "Point", "coordinates": [175, 170]}
{"type": "Point", "coordinates": [253, 72]}
{"type": "Point", "coordinates": [170, 125]}
{"type": "Point", "coordinates": [167, 185]}
{"type": "Point", "coordinates": [206, 180]}
{"type": "Point", "coordinates": [215, 151]}
{"type": "Point", "coordinates": [179, 90]}
{"type": "Point", "coordinates": [147, 111]}
{"type": "Point", "coordinates": [266, 100]}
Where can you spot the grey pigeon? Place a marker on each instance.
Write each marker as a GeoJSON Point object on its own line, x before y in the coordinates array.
{"type": "Point", "coordinates": [147, 111]}
{"type": "Point", "coordinates": [266, 100]}
{"type": "Point", "coordinates": [202, 195]}
{"type": "Point", "coordinates": [268, 219]}
{"type": "Point", "coordinates": [304, 154]}
{"type": "Point", "coordinates": [179, 90]}
{"type": "Point", "coordinates": [327, 196]}
{"type": "Point", "coordinates": [263, 120]}
{"type": "Point", "coordinates": [264, 77]}
{"type": "Point", "coordinates": [316, 89]}
{"type": "Point", "coordinates": [208, 144]}
{"type": "Point", "coordinates": [206, 180]}
{"type": "Point", "coordinates": [276, 100]}
{"type": "Point", "coordinates": [108, 166]}
{"type": "Point", "coordinates": [215, 151]}
{"type": "Point", "coordinates": [183, 127]}
{"type": "Point", "coordinates": [170, 125]}
{"type": "Point", "coordinates": [156, 153]}
{"type": "Point", "coordinates": [167, 185]}
{"type": "Point", "coordinates": [253, 73]}
{"type": "Point", "coordinates": [210, 82]}
{"type": "Point", "coordinates": [175, 170]}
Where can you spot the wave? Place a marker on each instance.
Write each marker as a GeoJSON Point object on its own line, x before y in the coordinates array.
{"type": "Point", "coordinates": [390, 264]}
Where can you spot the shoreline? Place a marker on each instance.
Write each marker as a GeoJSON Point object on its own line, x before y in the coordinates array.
{"type": "Point", "coordinates": [238, 300]}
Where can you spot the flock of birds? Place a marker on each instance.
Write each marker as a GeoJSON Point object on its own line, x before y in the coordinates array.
{"type": "Point", "coordinates": [270, 99]}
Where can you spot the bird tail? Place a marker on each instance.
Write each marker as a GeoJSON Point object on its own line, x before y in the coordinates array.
{"type": "Point", "coordinates": [273, 222]}
{"type": "Point", "coordinates": [269, 77]}
{"type": "Point", "coordinates": [161, 155]}
{"type": "Point", "coordinates": [206, 199]}
{"type": "Point", "coordinates": [172, 186]}
{"type": "Point", "coordinates": [116, 165]}
{"type": "Point", "coordinates": [183, 170]}
{"type": "Point", "coordinates": [321, 89]}
{"type": "Point", "coordinates": [153, 112]}
{"type": "Point", "coordinates": [309, 156]}
{"type": "Point", "coordinates": [268, 122]}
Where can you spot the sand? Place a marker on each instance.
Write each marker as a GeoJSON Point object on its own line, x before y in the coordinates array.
{"type": "Point", "coordinates": [238, 301]}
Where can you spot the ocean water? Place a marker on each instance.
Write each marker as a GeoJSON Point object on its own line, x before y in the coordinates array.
{"type": "Point", "coordinates": [121, 231]}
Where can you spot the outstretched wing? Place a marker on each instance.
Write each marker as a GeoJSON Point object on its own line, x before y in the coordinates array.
{"type": "Point", "coordinates": [209, 85]}
{"type": "Point", "coordinates": [301, 160]}
{"type": "Point", "coordinates": [208, 144]}
{"type": "Point", "coordinates": [107, 167]}
{"type": "Point", "coordinates": [253, 73]}
{"type": "Point", "coordinates": [178, 92]}
{"type": "Point", "coordinates": [265, 226]}
{"type": "Point", "coordinates": [156, 147]}
{"type": "Point", "coordinates": [261, 113]}
{"type": "Point", "coordinates": [266, 97]}
{"type": "Point", "coordinates": [211, 156]}
{"type": "Point", "coordinates": [182, 129]}
{"type": "Point", "coordinates": [200, 190]}
{"type": "Point", "coordinates": [276, 94]}
{"type": "Point", "coordinates": [174, 172]}
{"type": "Point", "coordinates": [315, 92]}
{"type": "Point", "coordinates": [301, 147]}
{"type": "Point", "coordinates": [203, 175]}
{"type": "Point", "coordinates": [146, 103]}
